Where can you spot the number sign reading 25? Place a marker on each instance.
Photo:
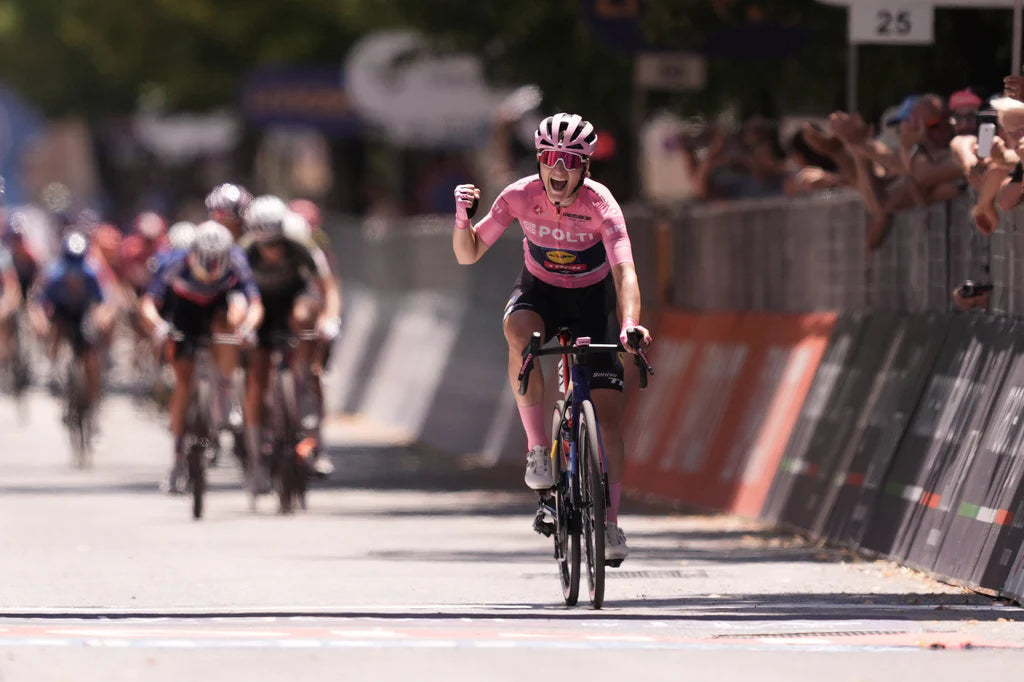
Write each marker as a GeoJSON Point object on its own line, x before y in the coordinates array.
{"type": "Point", "coordinates": [892, 23]}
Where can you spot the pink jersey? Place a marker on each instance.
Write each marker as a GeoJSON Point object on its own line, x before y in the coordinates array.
{"type": "Point", "coordinates": [569, 247]}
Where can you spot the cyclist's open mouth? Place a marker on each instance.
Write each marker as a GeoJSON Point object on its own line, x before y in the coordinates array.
{"type": "Point", "coordinates": [558, 185]}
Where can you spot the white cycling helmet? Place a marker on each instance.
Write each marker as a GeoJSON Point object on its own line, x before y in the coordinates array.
{"type": "Point", "coordinates": [297, 228]}
{"type": "Point", "coordinates": [181, 235]}
{"type": "Point", "coordinates": [210, 253]}
{"type": "Point", "coordinates": [265, 217]}
{"type": "Point", "coordinates": [568, 132]}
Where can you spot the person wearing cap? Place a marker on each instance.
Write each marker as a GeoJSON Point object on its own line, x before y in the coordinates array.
{"type": "Point", "coordinates": [963, 111]}
{"type": "Point", "coordinates": [935, 173]}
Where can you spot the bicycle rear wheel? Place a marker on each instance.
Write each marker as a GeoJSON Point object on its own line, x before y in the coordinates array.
{"type": "Point", "coordinates": [567, 531]}
{"type": "Point", "coordinates": [593, 500]}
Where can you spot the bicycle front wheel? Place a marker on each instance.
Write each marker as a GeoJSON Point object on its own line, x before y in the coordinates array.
{"type": "Point", "coordinates": [593, 500]}
{"type": "Point", "coordinates": [567, 529]}
{"type": "Point", "coordinates": [77, 414]}
{"type": "Point", "coordinates": [199, 431]}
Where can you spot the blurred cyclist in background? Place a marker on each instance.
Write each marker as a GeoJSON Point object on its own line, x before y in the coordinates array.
{"type": "Point", "coordinates": [139, 249]}
{"type": "Point", "coordinates": [310, 213]}
{"type": "Point", "coordinates": [206, 289]}
{"type": "Point", "coordinates": [295, 285]}
{"type": "Point", "coordinates": [69, 306]}
{"type": "Point", "coordinates": [226, 203]}
{"type": "Point", "coordinates": [10, 301]}
{"type": "Point", "coordinates": [26, 263]}
{"type": "Point", "coordinates": [180, 236]}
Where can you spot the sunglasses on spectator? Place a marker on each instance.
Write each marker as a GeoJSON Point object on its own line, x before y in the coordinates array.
{"type": "Point", "coordinates": [570, 160]}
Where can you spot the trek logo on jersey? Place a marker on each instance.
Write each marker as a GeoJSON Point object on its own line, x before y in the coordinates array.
{"type": "Point", "coordinates": [566, 236]}
{"type": "Point", "coordinates": [561, 257]}
{"type": "Point", "coordinates": [538, 209]}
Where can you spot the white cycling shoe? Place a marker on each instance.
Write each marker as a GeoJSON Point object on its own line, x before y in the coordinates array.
{"type": "Point", "coordinates": [540, 474]}
{"type": "Point", "coordinates": [615, 547]}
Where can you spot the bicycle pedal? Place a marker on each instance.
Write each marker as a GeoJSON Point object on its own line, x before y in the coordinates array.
{"type": "Point", "coordinates": [545, 528]}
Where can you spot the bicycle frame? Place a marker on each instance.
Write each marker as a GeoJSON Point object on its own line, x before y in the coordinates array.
{"type": "Point", "coordinates": [576, 390]}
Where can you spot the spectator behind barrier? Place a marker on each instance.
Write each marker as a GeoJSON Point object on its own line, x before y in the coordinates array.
{"type": "Point", "coordinates": [809, 170]}
{"type": "Point", "coordinates": [922, 169]}
{"type": "Point", "coordinates": [988, 175]}
{"type": "Point", "coordinates": [749, 165]}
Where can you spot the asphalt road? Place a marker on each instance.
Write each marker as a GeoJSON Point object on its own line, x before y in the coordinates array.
{"type": "Point", "coordinates": [412, 564]}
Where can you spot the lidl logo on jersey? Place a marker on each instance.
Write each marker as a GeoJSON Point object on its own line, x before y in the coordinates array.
{"type": "Point", "coordinates": [561, 257]}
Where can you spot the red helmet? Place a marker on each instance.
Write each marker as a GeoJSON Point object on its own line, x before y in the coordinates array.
{"type": "Point", "coordinates": [308, 210]}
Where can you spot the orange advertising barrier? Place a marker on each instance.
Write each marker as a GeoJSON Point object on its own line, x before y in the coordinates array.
{"type": "Point", "coordinates": [711, 428]}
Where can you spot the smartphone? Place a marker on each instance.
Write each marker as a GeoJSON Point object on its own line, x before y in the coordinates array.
{"type": "Point", "coordinates": [986, 133]}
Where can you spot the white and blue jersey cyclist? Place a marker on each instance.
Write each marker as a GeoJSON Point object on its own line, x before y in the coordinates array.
{"type": "Point", "coordinates": [206, 289]}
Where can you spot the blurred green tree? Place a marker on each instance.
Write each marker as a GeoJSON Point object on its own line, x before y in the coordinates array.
{"type": "Point", "coordinates": [97, 57]}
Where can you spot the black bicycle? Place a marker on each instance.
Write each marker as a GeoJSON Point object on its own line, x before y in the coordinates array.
{"type": "Point", "coordinates": [199, 437]}
{"type": "Point", "coordinates": [288, 406]}
{"type": "Point", "coordinates": [78, 411]}
{"type": "Point", "coordinates": [576, 504]}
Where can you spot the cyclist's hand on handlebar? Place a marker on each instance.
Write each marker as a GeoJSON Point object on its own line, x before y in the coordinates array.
{"type": "Point", "coordinates": [632, 327]}
{"type": "Point", "coordinates": [246, 334]}
{"type": "Point", "coordinates": [159, 333]}
{"type": "Point", "coordinates": [328, 328]}
{"type": "Point", "coordinates": [466, 199]}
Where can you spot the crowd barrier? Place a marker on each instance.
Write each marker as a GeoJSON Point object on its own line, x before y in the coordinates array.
{"type": "Point", "coordinates": [902, 435]}
{"type": "Point", "coordinates": [715, 419]}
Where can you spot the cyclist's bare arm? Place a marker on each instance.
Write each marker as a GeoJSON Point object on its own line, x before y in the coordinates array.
{"type": "Point", "coordinates": [38, 317]}
{"type": "Point", "coordinates": [468, 246]}
{"type": "Point", "coordinates": [331, 293]}
{"type": "Point", "coordinates": [253, 314]}
{"type": "Point", "coordinates": [149, 314]}
{"type": "Point", "coordinates": [627, 290]}
{"type": "Point", "coordinates": [12, 292]}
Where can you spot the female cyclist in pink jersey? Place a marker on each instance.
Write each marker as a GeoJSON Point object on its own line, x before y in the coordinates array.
{"type": "Point", "coordinates": [574, 237]}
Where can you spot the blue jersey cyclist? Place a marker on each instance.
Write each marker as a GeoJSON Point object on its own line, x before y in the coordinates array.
{"type": "Point", "coordinates": [207, 289]}
{"type": "Point", "coordinates": [69, 305]}
{"type": "Point", "coordinates": [10, 299]}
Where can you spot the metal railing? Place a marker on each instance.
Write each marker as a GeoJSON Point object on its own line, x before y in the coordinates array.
{"type": "Point", "coordinates": [777, 255]}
